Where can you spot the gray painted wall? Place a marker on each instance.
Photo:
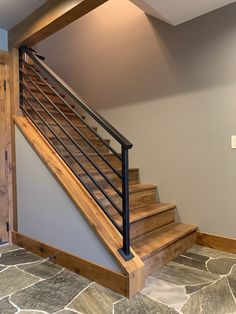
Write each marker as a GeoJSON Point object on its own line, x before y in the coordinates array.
{"type": "Point", "coordinates": [45, 212]}
{"type": "Point", "coordinates": [171, 91]}
{"type": "Point", "coordinates": [3, 39]}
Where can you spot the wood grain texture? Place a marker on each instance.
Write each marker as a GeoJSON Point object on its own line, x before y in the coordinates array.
{"type": "Point", "coordinates": [148, 218]}
{"type": "Point", "coordinates": [148, 224]}
{"type": "Point", "coordinates": [4, 56]}
{"type": "Point", "coordinates": [106, 277]}
{"type": "Point", "coordinates": [13, 110]}
{"type": "Point", "coordinates": [82, 199]}
{"type": "Point", "coordinates": [217, 242]}
{"type": "Point", "coordinates": [49, 18]}
{"type": "Point", "coordinates": [151, 243]}
{"type": "Point", "coordinates": [169, 253]}
{"type": "Point", "coordinates": [4, 212]}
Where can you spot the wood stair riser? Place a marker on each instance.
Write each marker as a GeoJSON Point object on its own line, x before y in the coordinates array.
{"type": "Point", "coordinates": [136, 199]}
{"type": "Point", "coordinates": [45, 89]}
{"type": "Point", "coordinates": [72, 148]}
{"type": "Point", "coordinates": [143, 226]}
{"type": "Point", "coordinates": [133, 173]}
{"type": "Point", "coordinates": [133, 179]}
{"type": "Point", "coordinates": [36, 81]}
{"type": "Point", "coordinates": [112, 159]}
{"type": "Point", "coordinates": [45, 104]}
{"type": "Point", "coordinates": [58, 117]}
{"type": "Point", "coordinates": [42, 86]}
{"type": "Point", "coordinates": [169, 253]}
{"type": "Point", "coordinates": [54, 98]}
{"type": "Point", "coordinates": [34, 76]}
{"type": "Point", "coordinates": [34, 113]}
{"type": "Point", "coordinates": [70, 131]}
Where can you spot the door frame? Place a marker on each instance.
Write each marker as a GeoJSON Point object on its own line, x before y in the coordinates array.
{"type": "Point", "coordinates": [6, 148]}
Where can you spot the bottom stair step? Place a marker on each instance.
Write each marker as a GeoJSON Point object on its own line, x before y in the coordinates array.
{"type": "Point", "coordinates": [159, 247]}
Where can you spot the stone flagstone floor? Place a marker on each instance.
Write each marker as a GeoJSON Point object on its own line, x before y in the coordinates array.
{"type": "Point", "coordinates": [201, 280]}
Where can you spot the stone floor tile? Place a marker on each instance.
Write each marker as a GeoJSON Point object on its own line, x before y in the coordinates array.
{"type": "Point", "coordinates": [6, 307]}
{"type": "Point", "coordinates": [140, 304]}
{"type": "Point", "coordinates": [164, 292]}
{"type": "Point", "coordinates": [215, 298]}
{"type": "Point", "coordinates": [66, 312]}
{"type": "Point", "coordinates": [221, 266]}
{"type": "Point", "coordinates": [20, 256]}
{"type": "Point", "coordinates": [29, 265]}
{"type": "Point", "coordinates": [192, 289]}
{"type": "Point", "coordinates": [7, 247]}
{"type": "Point", "coordinates": [44, 270]}
{"type": "Point", "coordinates": [2, 267]}
{"type": "Point", "coordinates": [13, 279]}
{"type": "Point", "coordinates": [95, 300]}
{"type": "Point", "coordinates": [196, 256]}
{"type": "Point", "coordinates": [184, 260]}
{"type": "Point", "coordinates": [210, 252]}
{"type": "Point", "coordinates": [232, 283]}
{"type": "Point", "coordinates": [232, 280]}
{"type": "Point", "coordinates": [30, 312]}
{"type": "Point", "coordinates": [184, 275]}
{"type": "Point", "coordinates": [51, 295]}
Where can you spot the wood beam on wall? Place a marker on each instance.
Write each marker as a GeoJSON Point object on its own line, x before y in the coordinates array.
{"type": "Point", "coordinates": [48, 19]}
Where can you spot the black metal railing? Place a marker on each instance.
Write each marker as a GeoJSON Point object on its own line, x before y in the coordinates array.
{"type": "Point", "coordinates": [56, 115]}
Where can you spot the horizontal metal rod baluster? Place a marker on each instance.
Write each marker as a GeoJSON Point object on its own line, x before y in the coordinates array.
{"type": "Point", "coordinates": [82, 120]}
{"type": "Point", "coordinates": [95, 115]}
{"type": "Point", "coordinates": [74, 127]}
{"type": "Point", "coordinates": [75, 143]}
{"type": "Point", "coordinates": [64, 159]}
{"type": "Point", "coordinates": [75, 112]}
{"type": "Point", "coordinates": [81, 166]}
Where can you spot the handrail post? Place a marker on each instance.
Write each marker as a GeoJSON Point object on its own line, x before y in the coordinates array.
{"type": "Point", "coordinates": [125, 250]}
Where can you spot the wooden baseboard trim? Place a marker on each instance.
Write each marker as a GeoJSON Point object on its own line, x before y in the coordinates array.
{"type": "Point", "coordinates": [217, 242]}
{"type": "Point", "coordinates": [106, 277]}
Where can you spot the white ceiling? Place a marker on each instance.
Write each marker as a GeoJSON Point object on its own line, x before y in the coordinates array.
{"type": "Point", "coordinates": [13, 11]}
{"type": "Point", "coordinates": [178, 11]}
{"type": "Point", "coordinates": [172, 11]}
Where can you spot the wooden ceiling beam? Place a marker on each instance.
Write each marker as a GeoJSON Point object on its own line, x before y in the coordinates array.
{"type": "Point", "coordinates": [52, 16]}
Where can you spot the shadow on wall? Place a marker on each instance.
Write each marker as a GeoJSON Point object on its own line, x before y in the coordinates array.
{"type": "Point", "coordinates": [131, 58]}
{"type": "Point", "coordinates": [196, 55]}
{"type": "Point", "coordinates": [192, 56]}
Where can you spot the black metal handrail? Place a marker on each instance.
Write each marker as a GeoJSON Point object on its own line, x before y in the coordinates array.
{"type": "Point", "coordinates": [95, 115]}
{"type": "Point", "coordinates": [32, 105]}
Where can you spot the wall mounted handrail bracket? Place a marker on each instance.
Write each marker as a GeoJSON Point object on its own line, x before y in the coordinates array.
{"type": "Point", "coordinates": [44, 105]}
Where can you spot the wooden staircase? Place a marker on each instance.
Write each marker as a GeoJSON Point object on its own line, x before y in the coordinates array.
{"type": "Point", "coordinates": [155, 235]}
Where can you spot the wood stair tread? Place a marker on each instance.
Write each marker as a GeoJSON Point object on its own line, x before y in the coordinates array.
{"type": "Point", "coordinates": [146, 211]}
{"type": "Point", "coordinates": [67, 113]}
{"type": "Point", "coordinates": [109, 171]}
{"type": "Point", "coordinates": [64, 123]}
{"type": "Point", "coordinates": [90, 155]}
{"type": "Point", "coordinates": [153, 242]}
{"type": "Point", "coordinates": [134, 188]}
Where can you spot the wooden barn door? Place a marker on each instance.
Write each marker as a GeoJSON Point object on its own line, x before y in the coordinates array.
{"type": "Point", "coordinates": [4, 210]}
